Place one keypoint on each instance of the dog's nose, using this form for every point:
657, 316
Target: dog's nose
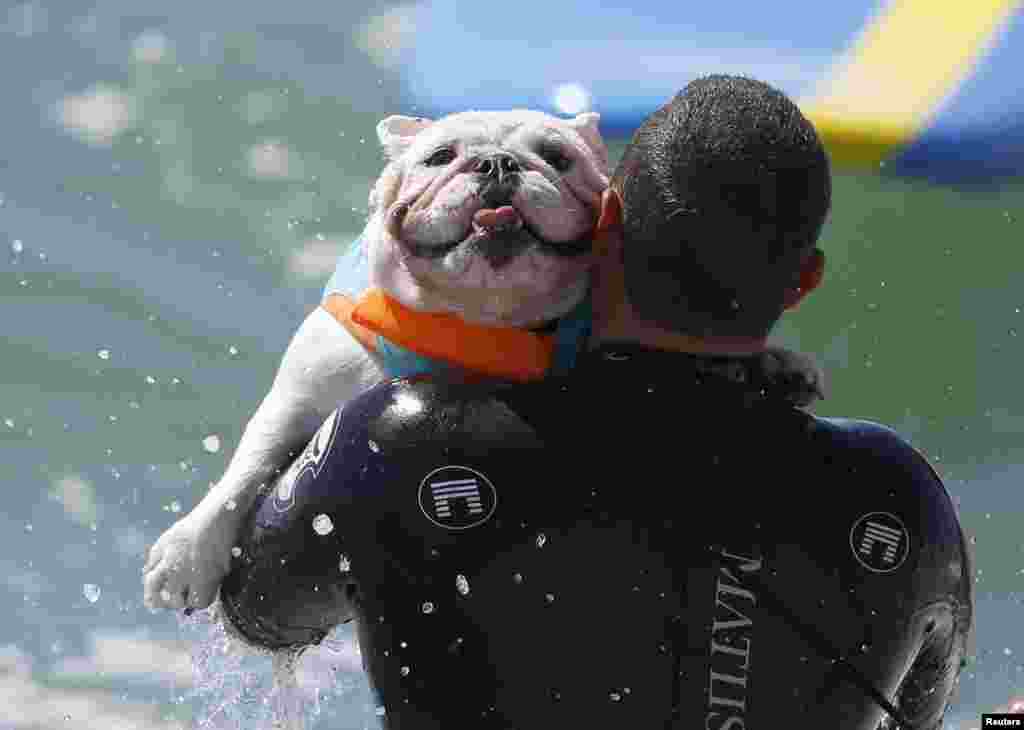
497, 166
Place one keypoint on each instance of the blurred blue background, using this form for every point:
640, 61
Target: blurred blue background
177, 182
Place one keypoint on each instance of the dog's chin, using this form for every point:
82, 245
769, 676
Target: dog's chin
502, 244
509, 279
500, 247
521, 309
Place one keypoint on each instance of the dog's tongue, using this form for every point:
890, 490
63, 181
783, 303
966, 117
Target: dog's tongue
506, 215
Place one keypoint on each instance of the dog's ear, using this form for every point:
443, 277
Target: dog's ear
397, 132
586, 125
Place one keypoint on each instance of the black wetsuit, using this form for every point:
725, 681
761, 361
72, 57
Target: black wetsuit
660, 541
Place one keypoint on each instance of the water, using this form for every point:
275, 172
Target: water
156, 255
237, 686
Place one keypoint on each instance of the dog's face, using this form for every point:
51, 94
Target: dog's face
487, 214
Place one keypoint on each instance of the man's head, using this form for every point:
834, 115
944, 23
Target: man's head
717, 205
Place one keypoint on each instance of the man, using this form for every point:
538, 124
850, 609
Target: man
661, 540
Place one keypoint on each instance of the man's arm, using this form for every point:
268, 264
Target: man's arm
344, 513
928, 690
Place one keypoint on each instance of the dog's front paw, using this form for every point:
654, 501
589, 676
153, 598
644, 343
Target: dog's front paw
187, 563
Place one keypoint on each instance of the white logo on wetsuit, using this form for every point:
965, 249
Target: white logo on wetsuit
880, 542
732, 638
312, 459
457, 497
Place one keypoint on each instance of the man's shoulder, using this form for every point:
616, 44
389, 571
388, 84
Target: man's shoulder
894, 474
879, 451
432, 391
442, 408
874, 442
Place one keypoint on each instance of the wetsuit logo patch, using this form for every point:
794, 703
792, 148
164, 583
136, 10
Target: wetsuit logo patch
310, 461
457, 497
880, 542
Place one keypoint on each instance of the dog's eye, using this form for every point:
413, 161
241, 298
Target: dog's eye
556, 158
440, 157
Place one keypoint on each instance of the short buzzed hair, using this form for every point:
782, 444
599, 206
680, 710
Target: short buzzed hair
725, 189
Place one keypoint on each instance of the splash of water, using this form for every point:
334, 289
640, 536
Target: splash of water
286, 699
229, 688
239, 687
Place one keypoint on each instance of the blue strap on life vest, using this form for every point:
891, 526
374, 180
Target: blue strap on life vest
399, 362
351, 275
571, 336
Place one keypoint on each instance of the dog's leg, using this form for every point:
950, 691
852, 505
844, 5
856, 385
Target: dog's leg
322, 367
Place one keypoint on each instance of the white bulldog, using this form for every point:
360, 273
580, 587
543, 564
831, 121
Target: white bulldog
481, 216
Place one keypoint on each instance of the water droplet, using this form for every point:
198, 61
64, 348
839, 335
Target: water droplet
380, 711
212, 443
175, 506
17, 246
232, 350
428, 607
1007, 651
9, 422
151, 380
103, 354
549, 597
405, 671
518, 577
541, 540
344, 564
91, 591
373, 446
322, 525
28, 527
615, 696
404, 645
231, 505
462, 585
236, 551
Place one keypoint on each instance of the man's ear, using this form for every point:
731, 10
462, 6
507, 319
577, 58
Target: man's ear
610, 215
397, 132
608, 230
811, 273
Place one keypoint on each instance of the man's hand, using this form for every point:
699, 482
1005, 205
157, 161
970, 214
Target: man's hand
186, 565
